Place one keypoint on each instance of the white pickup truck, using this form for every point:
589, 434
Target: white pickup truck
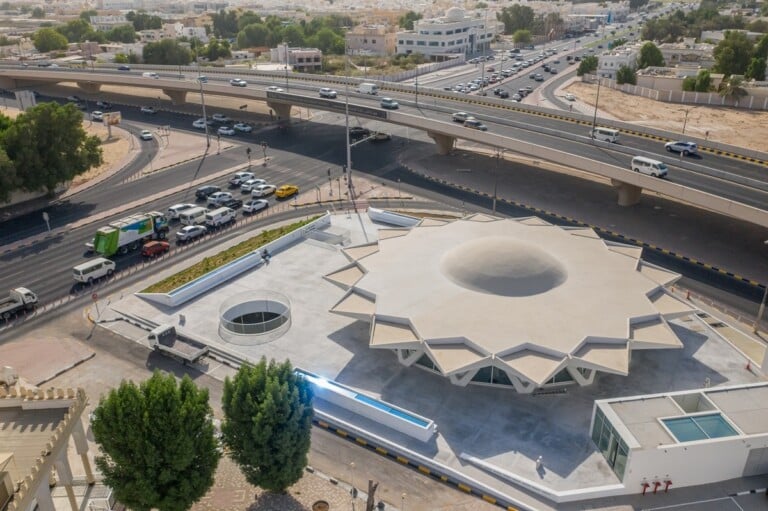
17, 300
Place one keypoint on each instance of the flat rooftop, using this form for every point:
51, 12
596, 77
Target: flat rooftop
498, 426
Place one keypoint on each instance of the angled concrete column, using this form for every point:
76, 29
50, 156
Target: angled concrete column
410, 359
444, 142
282, 111
89, 87
81, 447
178, 97
44, 498
582, 379
64, 473
629, 195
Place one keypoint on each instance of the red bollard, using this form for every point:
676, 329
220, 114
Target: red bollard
656, 485
667, 484
645, 487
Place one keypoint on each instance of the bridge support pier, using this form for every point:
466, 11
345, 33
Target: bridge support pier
444, 142
89, 87
178, 97
629, 195
282, 111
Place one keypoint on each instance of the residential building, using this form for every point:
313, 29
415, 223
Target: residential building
456, 32
301, 59
107, 23
371, 40
116, 5
716, 36
200, 7
688, 53
176, 30
610, 62
671, 78
152, 35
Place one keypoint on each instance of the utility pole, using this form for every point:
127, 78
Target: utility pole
346, 120
594, 117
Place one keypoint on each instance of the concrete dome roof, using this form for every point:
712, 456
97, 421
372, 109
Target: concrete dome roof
455, 13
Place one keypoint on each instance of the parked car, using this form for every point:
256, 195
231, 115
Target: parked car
238, 82
325, 92
148, 110
570, 97
155, 248
243, 128
190, 232
389, 104
685, 148
286, 191
218, 198
146, 135
503, 94
220, 118
226, 130
204, 191
254, 205
263, 190
250, 184
232, 203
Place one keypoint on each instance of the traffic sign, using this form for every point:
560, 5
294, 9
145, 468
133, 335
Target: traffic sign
95, 296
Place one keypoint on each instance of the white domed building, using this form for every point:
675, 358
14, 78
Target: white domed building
518, 303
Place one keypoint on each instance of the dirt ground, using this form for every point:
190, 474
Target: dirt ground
742, 128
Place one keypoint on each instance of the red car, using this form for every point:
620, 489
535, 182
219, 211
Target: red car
155, 248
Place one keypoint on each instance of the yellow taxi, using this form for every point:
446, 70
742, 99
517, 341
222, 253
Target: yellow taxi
286, 191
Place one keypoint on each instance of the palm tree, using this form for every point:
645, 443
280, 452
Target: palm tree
733, 87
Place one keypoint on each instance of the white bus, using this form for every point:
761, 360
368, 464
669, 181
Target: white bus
605, 134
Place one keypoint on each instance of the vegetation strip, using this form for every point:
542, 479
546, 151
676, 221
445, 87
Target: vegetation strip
209, 264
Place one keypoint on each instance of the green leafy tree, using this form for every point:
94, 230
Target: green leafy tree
588, 65
86, 15
407, 20
761, 48
49, 146
733, 53
516, 17
328, 41
217, 49
121, 58
253, 35
522, 36
733, 87
636, 4
166, 52
650, 55
689, 83
122, 34
247, 18
158, 449
48, 39
9, 181
756, 69
626, 74
268, 417
74, 30
225, 23
294, 35
703, 81
38, 13
4, 41
95, 36
143, 21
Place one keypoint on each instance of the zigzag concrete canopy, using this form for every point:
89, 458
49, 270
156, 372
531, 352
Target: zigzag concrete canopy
512, 302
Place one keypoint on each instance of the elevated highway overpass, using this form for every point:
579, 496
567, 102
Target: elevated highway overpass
571, 150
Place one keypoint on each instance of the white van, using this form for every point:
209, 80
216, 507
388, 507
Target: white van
150, 75
605, 134
193, 216
648, 166
93, 270
368, 88
177, 209
219, 217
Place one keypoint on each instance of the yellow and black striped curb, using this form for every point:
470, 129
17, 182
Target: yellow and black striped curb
431, 472
596, 228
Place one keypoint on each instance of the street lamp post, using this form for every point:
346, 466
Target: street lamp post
399, 195
685, 121
760, 311
594, 117
346, 120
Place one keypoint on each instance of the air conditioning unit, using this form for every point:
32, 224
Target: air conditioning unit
8, 376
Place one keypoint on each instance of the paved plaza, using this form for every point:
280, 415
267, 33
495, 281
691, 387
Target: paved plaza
506, 430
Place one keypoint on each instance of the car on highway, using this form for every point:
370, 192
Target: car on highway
553, 71
200, 124
226, 130
123, 68
218, 198
255, 205
380, 136
238, 82
286, 191
203, 192
460, 116
232, 203
240, 178
243, 128
475, 124
97, 115
263, 190
325, 92
148, 110
146, 135
202, 79
570, 97
190, 232
539, 77
357, 132
389, 104
175, 210
685, 148
74, 99
220, 118
249, 185
274, 88
106, 105
155, 248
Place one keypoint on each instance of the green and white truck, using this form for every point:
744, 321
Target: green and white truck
130, 233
